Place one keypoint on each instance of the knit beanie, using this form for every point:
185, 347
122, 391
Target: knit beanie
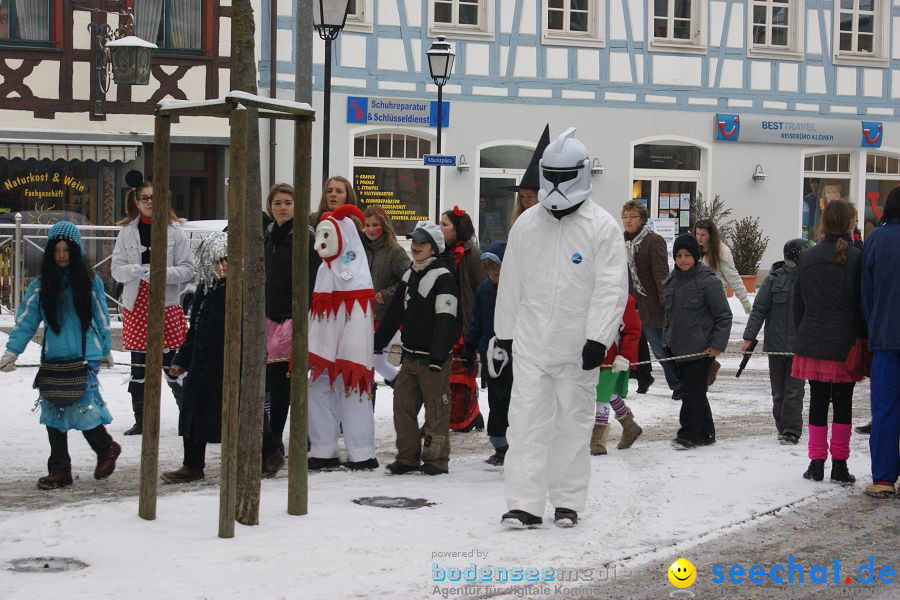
67, 231
688, 242
494, 252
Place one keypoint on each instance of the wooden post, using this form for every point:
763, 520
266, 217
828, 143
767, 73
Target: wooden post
231, 386
153, 369
298, 490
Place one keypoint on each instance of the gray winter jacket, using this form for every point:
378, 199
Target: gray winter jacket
773, 304
697, 312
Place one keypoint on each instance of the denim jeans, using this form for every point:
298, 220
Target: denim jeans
654, 337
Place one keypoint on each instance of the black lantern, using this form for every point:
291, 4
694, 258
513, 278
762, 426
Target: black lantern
440, 64
329, 17
130, 57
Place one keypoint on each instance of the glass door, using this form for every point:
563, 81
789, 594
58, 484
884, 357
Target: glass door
496, 200
675, 200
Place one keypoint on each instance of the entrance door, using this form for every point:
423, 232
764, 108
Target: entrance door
667, 198
496, 200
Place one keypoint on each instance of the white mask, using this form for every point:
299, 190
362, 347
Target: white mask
565, 176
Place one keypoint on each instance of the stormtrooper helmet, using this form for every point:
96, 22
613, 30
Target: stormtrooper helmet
565, 176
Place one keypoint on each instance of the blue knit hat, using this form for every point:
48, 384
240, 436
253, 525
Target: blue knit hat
67, 231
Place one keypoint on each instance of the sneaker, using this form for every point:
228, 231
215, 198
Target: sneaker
272, 465
399, 468
864, 429
789, 439
815, 471
683, 444
432, 470
136, 429
362, 465
876, 489
677, 395
106, 461
713, 371
323, 464
565, 517
54, 481
183, 475
519, 519
644, 385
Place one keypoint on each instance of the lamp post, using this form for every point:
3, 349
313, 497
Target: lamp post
329, 17
440, 64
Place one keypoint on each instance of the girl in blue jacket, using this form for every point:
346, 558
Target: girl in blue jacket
69, 299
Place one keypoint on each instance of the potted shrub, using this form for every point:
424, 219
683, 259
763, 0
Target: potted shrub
748, 245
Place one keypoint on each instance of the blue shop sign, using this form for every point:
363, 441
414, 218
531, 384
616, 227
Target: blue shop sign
396, 111
790, 130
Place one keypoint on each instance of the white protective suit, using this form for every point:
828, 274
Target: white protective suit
563, 282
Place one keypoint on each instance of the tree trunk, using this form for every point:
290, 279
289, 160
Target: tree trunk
254, 340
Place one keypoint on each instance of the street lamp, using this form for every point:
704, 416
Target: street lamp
329, 17
440, 64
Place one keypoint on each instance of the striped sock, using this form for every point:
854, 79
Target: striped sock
618, 405
602, 416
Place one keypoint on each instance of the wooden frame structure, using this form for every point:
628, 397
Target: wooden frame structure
236, 107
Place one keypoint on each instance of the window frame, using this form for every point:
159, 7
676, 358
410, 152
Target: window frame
53, 19
361, 20
794, 48
206, 17
880, 55
697, 43
594, 37
455, 31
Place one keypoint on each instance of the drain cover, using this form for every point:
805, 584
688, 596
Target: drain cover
46, 564
393, 502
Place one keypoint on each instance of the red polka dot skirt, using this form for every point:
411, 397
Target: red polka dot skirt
134, 324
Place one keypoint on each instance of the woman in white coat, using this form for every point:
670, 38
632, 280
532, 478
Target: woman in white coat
717, 256
131, 267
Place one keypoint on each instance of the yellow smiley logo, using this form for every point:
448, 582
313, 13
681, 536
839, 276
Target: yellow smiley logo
682, 573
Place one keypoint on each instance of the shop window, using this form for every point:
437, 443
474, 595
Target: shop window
678, 24
882, 176
25, 21
500, 169
775, 28
827, 163
358, 15
660, 156
171, 24
861, 31
388, 171
826, 179
461, 18
573, 22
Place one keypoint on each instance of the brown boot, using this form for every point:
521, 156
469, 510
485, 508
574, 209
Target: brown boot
183, 475
598, 439
106, 461
630, 430
713, 371
55, 481
272, 465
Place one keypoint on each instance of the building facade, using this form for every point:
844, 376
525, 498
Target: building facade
673, 98
66, 145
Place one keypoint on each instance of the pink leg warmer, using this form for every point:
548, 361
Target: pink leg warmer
840, 441
818, 442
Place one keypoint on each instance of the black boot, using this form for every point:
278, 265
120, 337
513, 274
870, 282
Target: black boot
839, 472
816, 470
644, 385
499, 456
138, 427
519, 519
864, 429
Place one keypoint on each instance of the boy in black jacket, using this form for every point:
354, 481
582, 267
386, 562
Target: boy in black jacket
426, 305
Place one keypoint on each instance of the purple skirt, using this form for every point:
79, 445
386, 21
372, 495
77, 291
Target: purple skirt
820, 369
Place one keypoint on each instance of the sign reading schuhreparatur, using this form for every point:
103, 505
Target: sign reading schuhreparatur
396, 111
795, 130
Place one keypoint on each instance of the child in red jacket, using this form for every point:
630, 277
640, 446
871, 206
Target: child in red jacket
612, 388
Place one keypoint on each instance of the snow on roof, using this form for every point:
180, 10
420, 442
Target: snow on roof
239, 95
264, 103
130, 41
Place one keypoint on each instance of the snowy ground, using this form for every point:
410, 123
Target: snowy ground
646, 502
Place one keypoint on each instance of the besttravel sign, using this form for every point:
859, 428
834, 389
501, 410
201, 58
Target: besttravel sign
396, 111
807, 132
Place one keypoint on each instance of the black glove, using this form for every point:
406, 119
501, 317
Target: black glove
592, 355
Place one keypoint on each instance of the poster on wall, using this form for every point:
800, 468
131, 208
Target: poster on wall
401, 191
668, 230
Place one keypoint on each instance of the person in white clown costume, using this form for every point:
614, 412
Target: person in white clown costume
341, 346
559, 305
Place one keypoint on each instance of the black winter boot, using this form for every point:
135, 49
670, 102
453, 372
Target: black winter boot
816, 470
499, 457
519, 519
839, 472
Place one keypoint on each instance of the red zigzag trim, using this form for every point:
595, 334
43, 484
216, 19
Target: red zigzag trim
325, 304
355, 375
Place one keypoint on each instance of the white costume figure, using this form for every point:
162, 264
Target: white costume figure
560, 301
340, 345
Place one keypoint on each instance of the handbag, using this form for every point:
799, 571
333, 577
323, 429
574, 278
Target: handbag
62, 382
859, 360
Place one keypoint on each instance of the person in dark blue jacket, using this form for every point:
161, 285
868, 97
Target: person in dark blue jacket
69, 299
880, 299
496, 372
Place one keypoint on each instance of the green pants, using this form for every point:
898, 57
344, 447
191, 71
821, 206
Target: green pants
611, 383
